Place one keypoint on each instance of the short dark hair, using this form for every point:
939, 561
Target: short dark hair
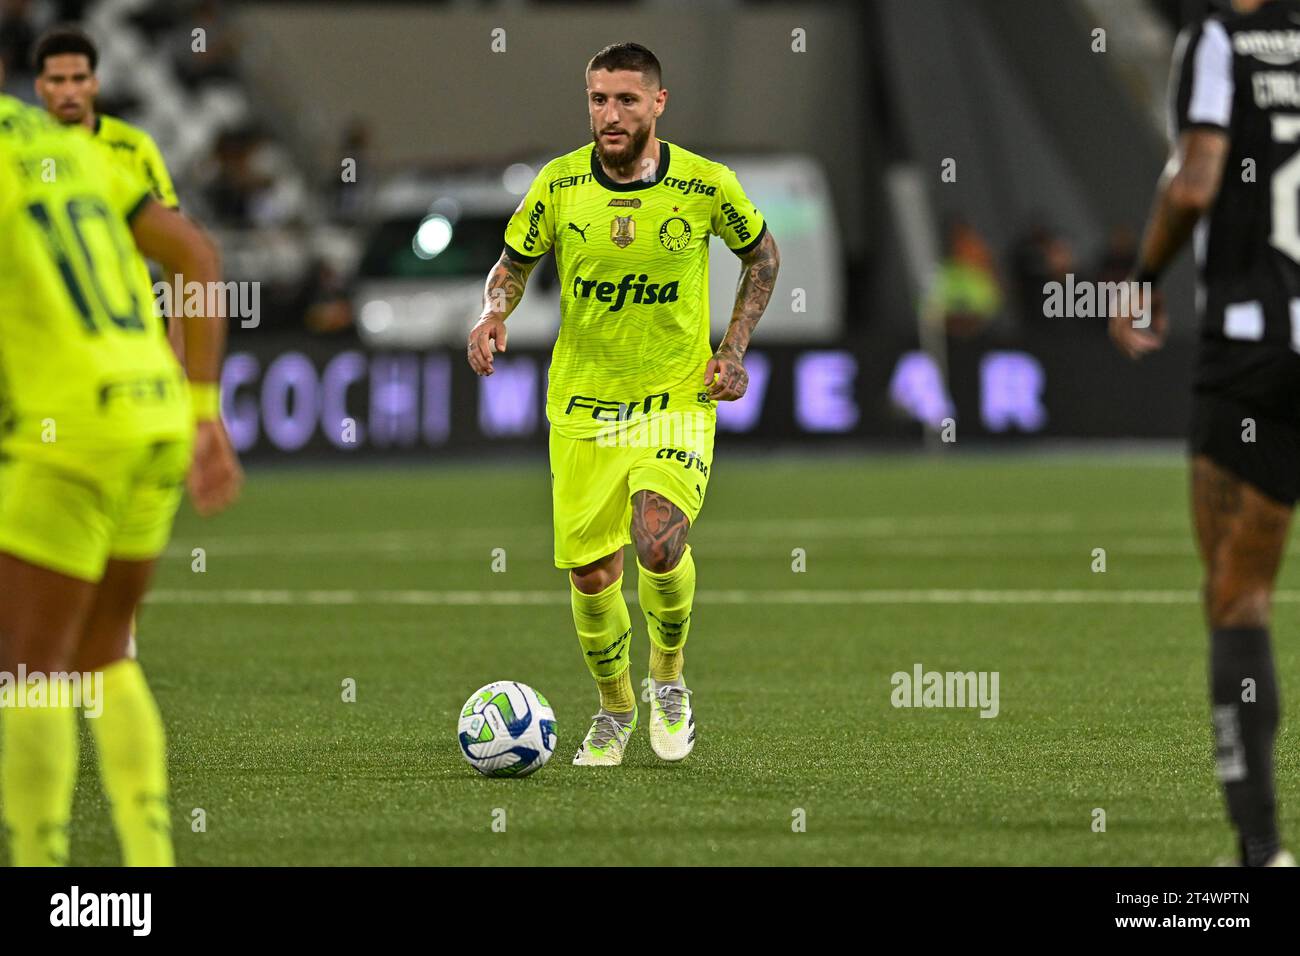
62, 40
628, 56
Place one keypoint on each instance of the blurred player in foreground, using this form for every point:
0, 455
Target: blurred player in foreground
101, 428
1235, 100
65, 60
634, 383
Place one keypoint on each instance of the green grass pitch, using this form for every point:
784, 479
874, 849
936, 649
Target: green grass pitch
959, 564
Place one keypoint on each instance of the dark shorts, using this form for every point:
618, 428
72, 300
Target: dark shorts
1223, 429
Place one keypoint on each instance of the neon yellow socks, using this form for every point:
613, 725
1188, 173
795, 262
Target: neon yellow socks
605, 633
666, 600
133, 766
605, 629
38, 772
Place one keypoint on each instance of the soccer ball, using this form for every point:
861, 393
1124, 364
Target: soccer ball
507, 729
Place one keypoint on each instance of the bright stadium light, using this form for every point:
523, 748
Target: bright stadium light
433, 236
517, 178
377, 315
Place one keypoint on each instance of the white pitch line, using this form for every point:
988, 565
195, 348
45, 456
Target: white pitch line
884, 532
560, 596
995, 548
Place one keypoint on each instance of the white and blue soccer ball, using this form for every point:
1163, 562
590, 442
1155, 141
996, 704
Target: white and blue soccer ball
507, 729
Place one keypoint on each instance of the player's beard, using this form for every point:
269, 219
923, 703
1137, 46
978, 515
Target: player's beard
622, 162
70, 118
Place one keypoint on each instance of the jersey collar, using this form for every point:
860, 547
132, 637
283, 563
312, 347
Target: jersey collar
598, 172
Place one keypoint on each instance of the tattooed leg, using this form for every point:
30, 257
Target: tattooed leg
666, 590
659, 530
1242, 534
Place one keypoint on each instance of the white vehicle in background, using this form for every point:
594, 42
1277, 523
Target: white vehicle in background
434, 238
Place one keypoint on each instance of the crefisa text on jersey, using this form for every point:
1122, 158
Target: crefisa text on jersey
644, 292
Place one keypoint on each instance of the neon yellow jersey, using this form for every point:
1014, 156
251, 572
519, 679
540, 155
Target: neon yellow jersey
135, 155
633, 262
133, 150
84, 361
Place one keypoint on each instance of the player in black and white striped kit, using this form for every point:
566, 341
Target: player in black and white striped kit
1233, 185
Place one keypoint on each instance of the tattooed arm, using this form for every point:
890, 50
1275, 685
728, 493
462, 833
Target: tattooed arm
758, 269
1187, 190
502, 292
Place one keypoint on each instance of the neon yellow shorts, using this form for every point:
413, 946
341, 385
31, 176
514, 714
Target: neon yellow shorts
592, 485
71, 515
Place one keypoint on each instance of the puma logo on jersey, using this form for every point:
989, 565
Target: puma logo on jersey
582, 232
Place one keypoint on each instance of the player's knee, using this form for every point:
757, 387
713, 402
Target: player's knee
659, 556
1235, 602
590, 583
598, 575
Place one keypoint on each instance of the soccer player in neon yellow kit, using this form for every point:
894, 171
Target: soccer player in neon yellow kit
65, 60
100, 430
633, 380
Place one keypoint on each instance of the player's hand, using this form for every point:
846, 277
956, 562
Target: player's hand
488, 335
1137, 342
725, 376
215, 476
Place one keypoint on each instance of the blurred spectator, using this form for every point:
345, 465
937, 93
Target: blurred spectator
1041, 255
17, 38
965, 296
218, 60
159, 18
1119, 256
349, 198
327, 306
233, 181
252, 182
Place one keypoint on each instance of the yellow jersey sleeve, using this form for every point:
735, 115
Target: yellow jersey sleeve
154, 171
735, 219
531, 229
126, 194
